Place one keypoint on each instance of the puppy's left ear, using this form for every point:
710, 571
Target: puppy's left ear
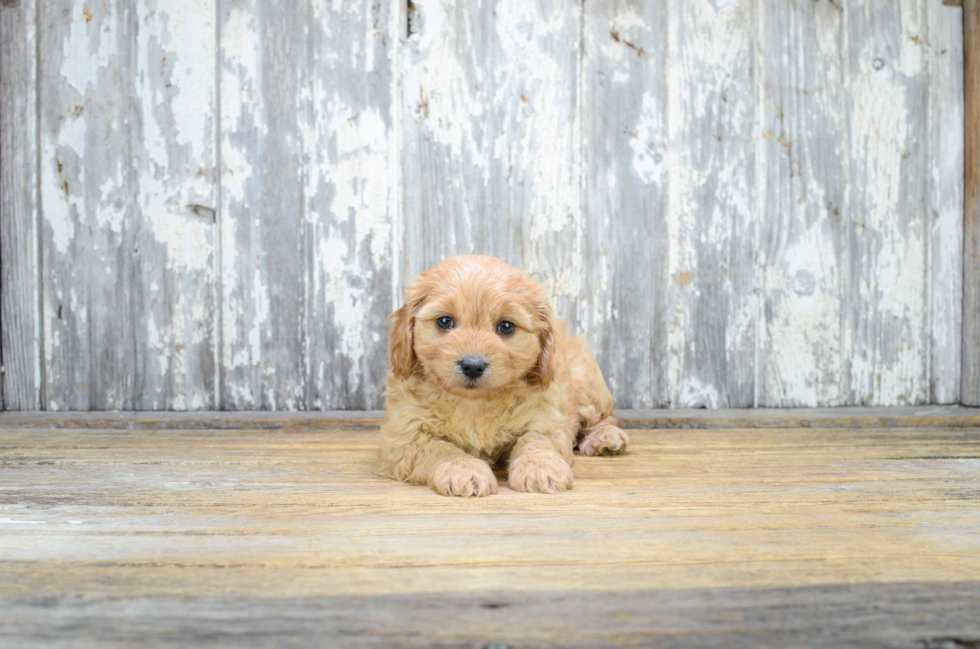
401, 330
544, 370
401, 341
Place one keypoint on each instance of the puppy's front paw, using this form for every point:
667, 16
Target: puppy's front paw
604, 440
539, 471
464, 476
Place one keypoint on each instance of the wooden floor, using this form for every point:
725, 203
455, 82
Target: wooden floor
823, 529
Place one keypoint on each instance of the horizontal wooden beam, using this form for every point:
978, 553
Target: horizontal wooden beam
903, 417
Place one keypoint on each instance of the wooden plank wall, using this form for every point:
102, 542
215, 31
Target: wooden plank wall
213, 204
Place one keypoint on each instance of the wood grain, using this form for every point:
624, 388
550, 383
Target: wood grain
740, 203
264, 69
251, 537
885, 325
970, 387
88, 231
308, 194
802, 242
914, 615
174, 163
128, 194
905, 417
711, 230
624, 103
944, 52
19, 323
351, 156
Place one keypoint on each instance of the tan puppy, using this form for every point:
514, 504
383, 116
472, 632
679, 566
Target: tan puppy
482, 372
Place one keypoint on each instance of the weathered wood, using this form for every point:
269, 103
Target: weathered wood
801, 249
128, 197
919, 615
88, 230
19, 349
624, 105
904, 417
174, 286
740, 203
970, 387
944, 52
886, 330
351, 154
247, 537
492, 149
308, 203
264, 69
711, 203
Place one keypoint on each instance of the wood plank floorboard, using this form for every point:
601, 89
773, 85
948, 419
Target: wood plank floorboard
858, 529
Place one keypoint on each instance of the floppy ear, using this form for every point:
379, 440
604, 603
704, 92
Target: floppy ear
544, 370
401, 341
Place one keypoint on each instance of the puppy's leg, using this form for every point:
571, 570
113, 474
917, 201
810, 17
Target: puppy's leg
439, 464
539, 463
603, 438
599, 434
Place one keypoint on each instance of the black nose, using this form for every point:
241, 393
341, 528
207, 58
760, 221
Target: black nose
473, 367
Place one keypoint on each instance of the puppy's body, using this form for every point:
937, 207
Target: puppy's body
540, 392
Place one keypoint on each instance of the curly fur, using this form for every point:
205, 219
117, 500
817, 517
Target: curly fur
541, 394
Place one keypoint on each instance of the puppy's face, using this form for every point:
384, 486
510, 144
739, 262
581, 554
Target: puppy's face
474, 326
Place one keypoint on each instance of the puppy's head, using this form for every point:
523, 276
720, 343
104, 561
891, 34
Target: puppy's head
474, 326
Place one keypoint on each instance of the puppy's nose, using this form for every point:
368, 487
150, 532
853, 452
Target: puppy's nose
473, 367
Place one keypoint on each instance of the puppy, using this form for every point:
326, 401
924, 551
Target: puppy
481, 372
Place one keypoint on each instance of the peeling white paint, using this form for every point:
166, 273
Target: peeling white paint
711, 200
188, 240
495, 107
88, 40
648, 155
887, 367
58, 206
437, 87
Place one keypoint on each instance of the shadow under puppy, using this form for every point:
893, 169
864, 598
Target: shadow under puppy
482, 373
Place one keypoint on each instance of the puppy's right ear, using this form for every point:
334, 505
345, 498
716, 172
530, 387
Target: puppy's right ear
401, 341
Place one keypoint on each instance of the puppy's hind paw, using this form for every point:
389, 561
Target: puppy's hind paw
540, 472
604, 440
464, 476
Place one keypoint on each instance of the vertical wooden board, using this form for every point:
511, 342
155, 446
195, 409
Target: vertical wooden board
350, 146
492, 157
173, 161
446, 95
712, 203
624, 104
263, 62
944, 52
87, 202
970, 379
19, 298
801, 251
887, 331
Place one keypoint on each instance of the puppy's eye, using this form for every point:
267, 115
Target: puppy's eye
445, 322
505, 328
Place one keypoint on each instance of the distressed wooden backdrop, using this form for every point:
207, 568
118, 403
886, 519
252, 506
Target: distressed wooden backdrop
216, 203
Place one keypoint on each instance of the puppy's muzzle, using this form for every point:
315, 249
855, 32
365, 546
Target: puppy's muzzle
473, 367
